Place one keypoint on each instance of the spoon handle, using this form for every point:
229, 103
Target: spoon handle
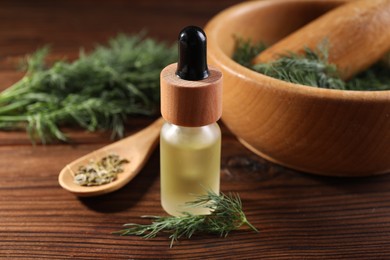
143, 141
137, 148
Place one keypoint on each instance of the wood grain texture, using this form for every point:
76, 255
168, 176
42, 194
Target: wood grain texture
357, 33
300, 216
324, 131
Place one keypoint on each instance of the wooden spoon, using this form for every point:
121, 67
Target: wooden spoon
136, 148
358, 34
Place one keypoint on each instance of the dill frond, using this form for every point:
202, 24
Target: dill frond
246, 50
98, 91
312, 68
226, 215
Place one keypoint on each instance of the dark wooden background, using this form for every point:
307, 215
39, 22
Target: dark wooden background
300, 216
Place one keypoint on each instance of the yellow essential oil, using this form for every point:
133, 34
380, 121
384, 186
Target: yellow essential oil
190, 164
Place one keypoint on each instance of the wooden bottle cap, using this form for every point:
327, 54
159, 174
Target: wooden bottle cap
191, 103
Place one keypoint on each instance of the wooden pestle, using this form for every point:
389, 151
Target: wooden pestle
358, 34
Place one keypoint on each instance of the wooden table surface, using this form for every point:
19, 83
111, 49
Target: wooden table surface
300, 216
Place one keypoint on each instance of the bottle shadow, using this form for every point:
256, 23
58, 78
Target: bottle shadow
259, 172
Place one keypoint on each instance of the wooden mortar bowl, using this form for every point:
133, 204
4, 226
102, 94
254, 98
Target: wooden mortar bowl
323, 131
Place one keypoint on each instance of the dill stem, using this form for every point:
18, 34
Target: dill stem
13, 106
250, 225
12, 92
13, 118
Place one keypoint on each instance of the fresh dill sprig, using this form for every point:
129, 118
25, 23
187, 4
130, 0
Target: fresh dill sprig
375, 78
226, 215
97, 91
312, 68
246, 50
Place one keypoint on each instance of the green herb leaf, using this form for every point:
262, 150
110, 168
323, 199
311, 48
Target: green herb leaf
312, 68
226, 215
246, 50
97, 91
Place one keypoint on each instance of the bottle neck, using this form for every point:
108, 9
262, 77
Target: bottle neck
190, 127
193, 136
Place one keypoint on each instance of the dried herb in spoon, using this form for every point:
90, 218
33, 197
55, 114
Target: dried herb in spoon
226, 215
104, 171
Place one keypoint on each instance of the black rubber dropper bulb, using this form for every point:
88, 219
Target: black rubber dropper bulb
192, 64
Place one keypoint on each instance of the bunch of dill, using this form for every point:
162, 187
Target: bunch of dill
312, 68
97, 91
226, 215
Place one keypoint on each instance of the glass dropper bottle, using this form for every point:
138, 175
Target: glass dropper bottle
190, 140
